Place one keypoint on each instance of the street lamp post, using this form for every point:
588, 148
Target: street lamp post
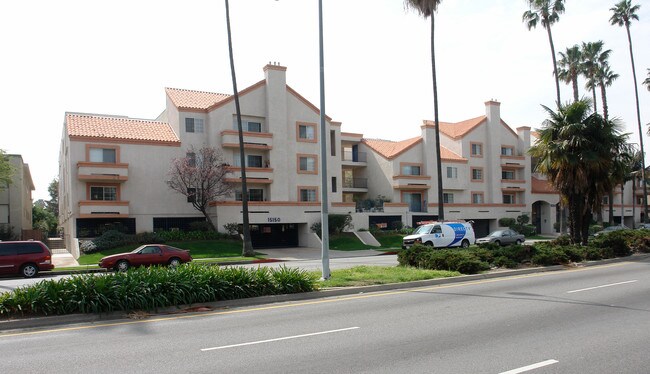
323, 153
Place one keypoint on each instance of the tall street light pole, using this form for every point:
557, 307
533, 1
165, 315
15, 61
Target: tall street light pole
323, 153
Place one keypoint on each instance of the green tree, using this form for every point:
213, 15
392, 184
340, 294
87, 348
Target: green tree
427, 9
53, 203
546, 12
604, 78
623, 13
593, 57
6, 170
44, 220
575, 152
569, 68
247, 248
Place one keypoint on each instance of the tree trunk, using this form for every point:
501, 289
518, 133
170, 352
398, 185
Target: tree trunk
610, 217
638, 116
441, 210
593, 93
247, 250
557, 80
603, 97
574, 82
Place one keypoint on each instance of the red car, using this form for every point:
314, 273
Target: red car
26, 258
145, 255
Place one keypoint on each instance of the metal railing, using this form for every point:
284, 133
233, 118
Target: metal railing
354, 156
355, 183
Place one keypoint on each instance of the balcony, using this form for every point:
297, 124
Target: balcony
354, 159
102, 172
252, 140
103, 209
355, 185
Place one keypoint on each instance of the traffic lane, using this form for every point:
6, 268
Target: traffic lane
414, 330
9, 283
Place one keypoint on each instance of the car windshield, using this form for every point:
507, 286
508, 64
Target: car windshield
138, 249
422, 230
497, 233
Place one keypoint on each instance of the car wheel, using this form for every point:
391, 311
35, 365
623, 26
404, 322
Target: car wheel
122, 265
429, 244
518, 242
29, 270
174, 262
497, 242
464, 243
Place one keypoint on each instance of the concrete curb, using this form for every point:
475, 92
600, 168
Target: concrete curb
12, 325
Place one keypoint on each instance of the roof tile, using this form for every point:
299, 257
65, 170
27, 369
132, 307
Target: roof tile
194, 100
123, 128
390, 149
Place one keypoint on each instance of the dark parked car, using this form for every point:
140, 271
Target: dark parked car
26, 258
145, 255
502, 237
609, 229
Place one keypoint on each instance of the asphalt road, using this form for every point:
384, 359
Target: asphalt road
589, 320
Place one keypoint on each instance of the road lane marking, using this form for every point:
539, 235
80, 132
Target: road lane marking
530, 367
279, 339
603, 286
324, 300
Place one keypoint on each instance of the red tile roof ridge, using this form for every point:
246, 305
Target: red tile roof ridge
84, 125
196, 91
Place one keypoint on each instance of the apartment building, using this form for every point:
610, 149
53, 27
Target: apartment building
113, 168
16, 199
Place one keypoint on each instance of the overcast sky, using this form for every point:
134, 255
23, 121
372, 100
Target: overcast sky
116, 57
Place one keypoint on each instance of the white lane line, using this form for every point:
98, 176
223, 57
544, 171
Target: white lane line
605, 285
278, 339
530, 367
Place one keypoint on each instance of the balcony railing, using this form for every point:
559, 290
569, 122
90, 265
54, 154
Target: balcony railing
355, 183
354, 156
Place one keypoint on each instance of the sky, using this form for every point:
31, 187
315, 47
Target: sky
116, 57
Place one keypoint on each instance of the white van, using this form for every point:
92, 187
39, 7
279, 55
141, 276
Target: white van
441, 235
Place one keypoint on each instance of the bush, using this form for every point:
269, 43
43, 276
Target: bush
448, 259
613, 244
593, 254
6, 233
507, 222
517, 253
549, 255
232, 228
561, 240
148, 238
336, 223
410, 256
111, 239
87, 246
151, 288
201, 226
505, 262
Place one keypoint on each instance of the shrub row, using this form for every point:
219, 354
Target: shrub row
556, 252
151, 288
113, 238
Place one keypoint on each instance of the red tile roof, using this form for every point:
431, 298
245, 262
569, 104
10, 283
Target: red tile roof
194, 100
459, 129
119, 128
390, 149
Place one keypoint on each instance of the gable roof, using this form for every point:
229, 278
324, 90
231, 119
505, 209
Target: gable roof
390, 149
459, 129
80, 125
194, 100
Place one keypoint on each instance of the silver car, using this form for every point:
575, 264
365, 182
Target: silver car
503, 237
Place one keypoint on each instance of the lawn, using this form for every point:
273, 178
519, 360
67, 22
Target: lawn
349, 242
199, 249
369, 275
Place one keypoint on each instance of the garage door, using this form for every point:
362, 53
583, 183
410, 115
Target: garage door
274, 235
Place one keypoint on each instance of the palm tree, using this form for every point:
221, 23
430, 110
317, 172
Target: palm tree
547, 12
247, 250
569, 67
575, 152
604, 78
593, 57
427, 8
623, 15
